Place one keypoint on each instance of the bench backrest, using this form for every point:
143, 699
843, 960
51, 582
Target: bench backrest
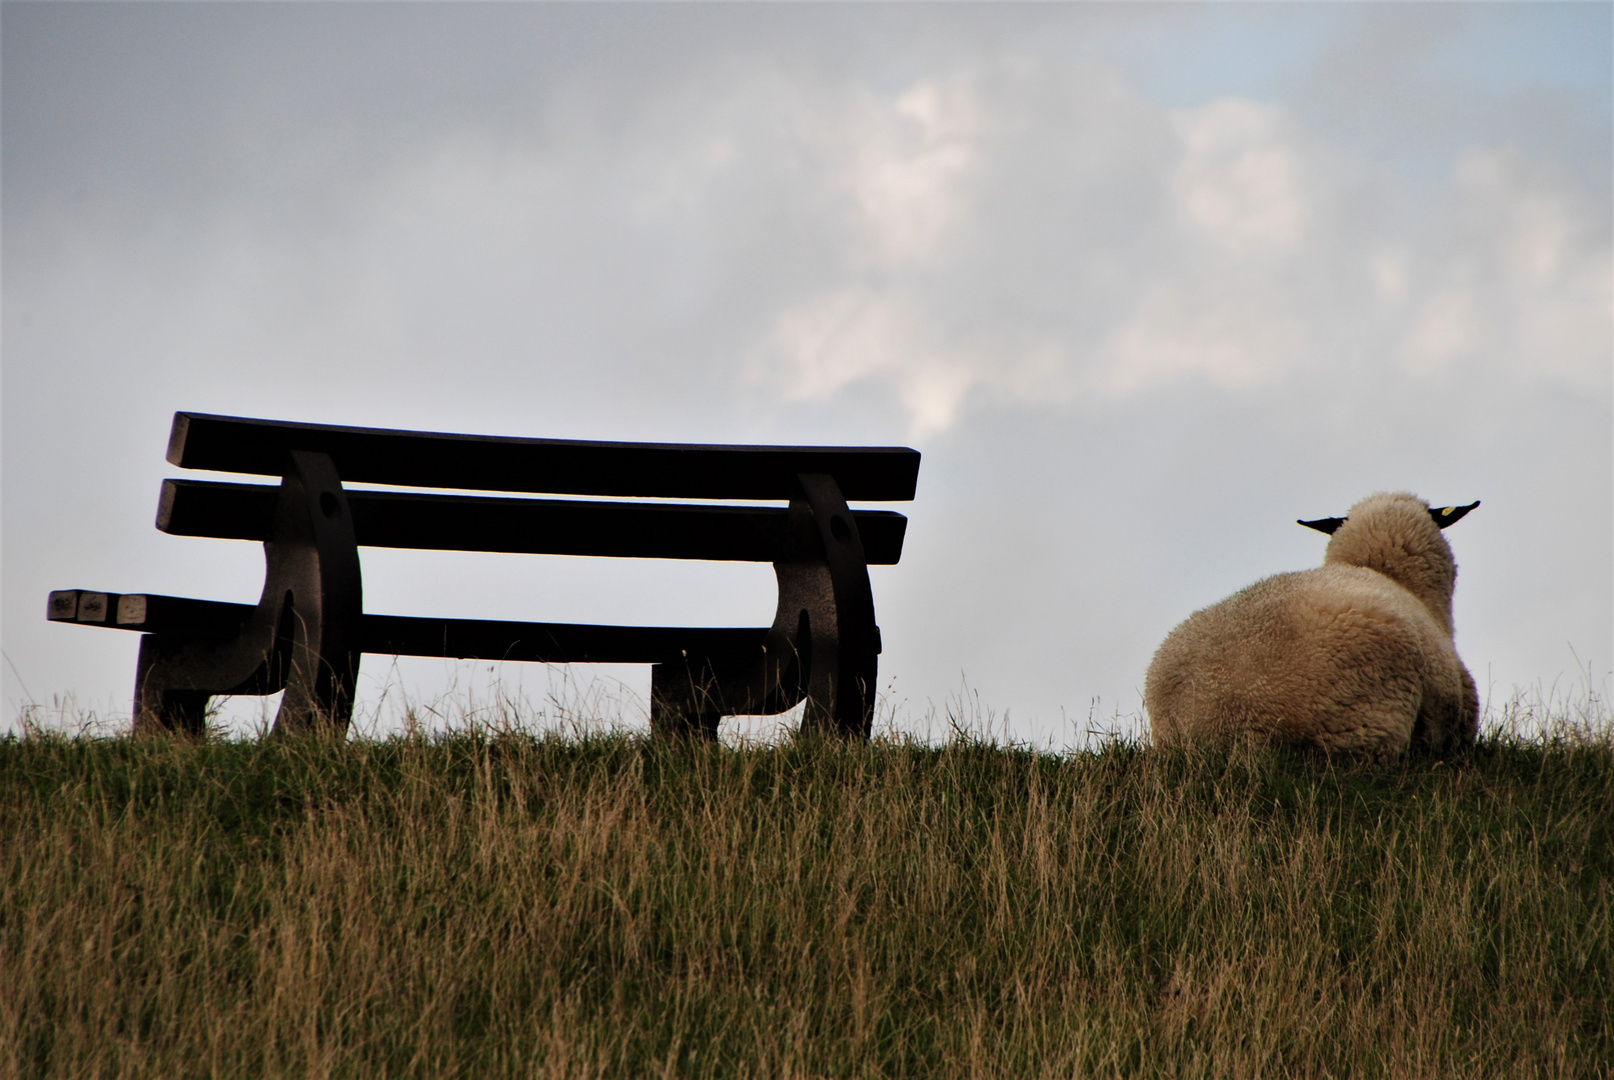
440, 521
549, 466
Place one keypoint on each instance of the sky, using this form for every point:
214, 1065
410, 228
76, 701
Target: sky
1143, 283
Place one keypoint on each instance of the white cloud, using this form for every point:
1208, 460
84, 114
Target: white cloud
854, 334
1220, 335
1553, 274
1445, 332
1391, 274
909, 161
842, 337
1524, 281
1249, 257
1240, 178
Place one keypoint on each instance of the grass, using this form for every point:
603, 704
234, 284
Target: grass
486, 904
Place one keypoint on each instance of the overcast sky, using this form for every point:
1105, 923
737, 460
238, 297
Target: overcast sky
1144, 283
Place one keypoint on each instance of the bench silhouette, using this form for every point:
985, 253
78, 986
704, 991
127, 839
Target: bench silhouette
306, 634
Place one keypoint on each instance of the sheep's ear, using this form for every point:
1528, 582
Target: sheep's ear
1327, 525
1450, 514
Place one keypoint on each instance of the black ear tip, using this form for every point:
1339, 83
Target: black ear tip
1448, 515
1323, 525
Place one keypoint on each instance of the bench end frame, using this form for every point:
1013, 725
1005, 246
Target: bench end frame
303, 638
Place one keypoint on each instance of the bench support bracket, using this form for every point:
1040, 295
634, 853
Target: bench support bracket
303, 637
823, 647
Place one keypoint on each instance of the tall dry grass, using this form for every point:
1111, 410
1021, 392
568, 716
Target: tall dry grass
509, 905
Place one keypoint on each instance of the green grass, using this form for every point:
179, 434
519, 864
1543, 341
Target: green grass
493, 905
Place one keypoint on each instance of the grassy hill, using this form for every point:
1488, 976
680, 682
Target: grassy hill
508, 905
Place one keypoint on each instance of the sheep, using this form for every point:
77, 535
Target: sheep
1353, 657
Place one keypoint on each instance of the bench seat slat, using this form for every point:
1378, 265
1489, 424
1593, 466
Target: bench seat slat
405, 635
553, 643
429, 520
552, 466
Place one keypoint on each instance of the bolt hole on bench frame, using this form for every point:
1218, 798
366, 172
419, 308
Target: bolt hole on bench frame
309, 629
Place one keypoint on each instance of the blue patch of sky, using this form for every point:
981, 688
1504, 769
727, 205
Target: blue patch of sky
1509, 48
1267, 52
1548, 65
1226, 50
1483, 58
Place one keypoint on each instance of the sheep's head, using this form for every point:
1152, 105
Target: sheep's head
1399, 536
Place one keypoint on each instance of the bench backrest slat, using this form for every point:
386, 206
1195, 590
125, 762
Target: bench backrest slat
434, 520
553, 466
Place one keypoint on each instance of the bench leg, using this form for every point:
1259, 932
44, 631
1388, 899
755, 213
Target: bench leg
160, 707
843, 649
324, 593
824, 645
303, 636
689, 698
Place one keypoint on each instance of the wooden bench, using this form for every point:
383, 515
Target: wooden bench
306, 634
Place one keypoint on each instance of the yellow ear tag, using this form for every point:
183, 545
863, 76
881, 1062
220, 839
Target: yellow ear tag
1447, 512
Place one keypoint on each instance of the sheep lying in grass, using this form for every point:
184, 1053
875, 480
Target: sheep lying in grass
1355, 656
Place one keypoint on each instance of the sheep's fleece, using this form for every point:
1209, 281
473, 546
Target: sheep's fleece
1355, 656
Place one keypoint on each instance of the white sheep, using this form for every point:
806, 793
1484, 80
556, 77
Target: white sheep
1355, 656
